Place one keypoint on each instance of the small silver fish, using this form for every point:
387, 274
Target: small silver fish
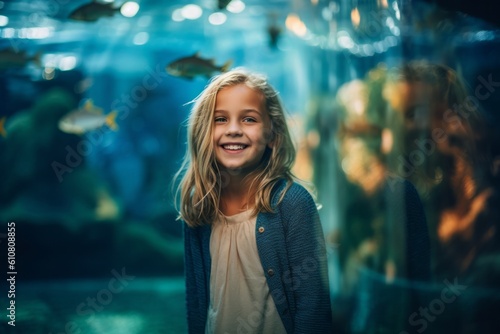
93, 11
192, 66
86, 119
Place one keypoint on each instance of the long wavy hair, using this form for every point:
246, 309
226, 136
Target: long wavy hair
202, 180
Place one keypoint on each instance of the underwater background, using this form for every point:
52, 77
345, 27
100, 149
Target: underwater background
393, 105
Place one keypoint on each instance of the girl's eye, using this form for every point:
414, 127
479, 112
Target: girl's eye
249, 119
219, 119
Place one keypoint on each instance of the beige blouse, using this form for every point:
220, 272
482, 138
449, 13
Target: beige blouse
240, 301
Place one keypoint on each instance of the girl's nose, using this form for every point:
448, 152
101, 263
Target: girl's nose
233, 129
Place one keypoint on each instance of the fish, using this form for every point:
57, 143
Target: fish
3, 132
192, 66
273, 30
83, 85
87, 118
274, 34
10, 58
222, 4
93, 11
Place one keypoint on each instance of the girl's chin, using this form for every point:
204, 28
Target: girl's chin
236, 170
233, 170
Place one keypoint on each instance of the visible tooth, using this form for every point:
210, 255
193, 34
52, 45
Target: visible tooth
234, 147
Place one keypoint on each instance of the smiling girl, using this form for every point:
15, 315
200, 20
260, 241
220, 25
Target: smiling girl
255, 257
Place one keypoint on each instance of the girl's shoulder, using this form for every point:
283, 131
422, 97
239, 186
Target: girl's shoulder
290, 193
296, 209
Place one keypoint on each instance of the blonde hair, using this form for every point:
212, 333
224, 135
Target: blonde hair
202, 180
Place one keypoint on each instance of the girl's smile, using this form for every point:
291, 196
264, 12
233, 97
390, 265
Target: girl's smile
241, 130
233, 148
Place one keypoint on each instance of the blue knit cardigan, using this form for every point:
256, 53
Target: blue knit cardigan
291, 248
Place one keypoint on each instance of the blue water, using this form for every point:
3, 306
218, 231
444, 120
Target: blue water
136, 306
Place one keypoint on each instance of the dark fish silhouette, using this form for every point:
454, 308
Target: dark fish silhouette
10, 58
222, 4
192, 66
273, 30
274, 34
93, 11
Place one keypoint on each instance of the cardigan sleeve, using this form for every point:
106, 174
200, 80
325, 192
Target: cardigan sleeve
308, 274
196, 288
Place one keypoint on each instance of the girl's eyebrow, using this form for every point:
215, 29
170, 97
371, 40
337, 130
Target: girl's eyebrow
252, 110
243, 110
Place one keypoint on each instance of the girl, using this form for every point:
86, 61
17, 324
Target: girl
255, 256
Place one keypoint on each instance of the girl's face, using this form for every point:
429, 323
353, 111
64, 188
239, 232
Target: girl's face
241, 128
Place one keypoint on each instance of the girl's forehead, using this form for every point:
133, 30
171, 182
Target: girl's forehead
243, 85
240, 92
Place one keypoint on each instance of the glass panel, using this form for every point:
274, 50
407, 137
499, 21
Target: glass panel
392, 106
